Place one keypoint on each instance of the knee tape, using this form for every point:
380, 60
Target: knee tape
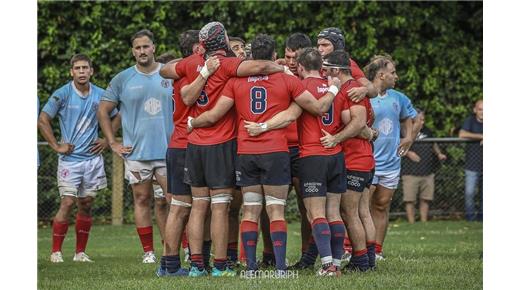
222, 198
68, 190
180, 203
271, 200
252, 198
206, 198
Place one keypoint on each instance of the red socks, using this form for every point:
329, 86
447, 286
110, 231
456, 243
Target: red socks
146, 236
379, 248
83, 225
59, 230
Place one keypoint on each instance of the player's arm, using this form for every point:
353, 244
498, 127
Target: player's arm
407, 140
352, 128
168, 70
191, 92
469, 135
103, 115
319, 107
100, 144
44, 124
209, 118
258, 67
358, 93
278, 121
438, 152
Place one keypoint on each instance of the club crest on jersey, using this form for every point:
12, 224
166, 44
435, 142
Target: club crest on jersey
386, 126
64, 172
165, 83
395, 106
152, 106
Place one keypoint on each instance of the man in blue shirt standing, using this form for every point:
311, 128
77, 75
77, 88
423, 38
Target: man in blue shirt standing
473, 129
144, 98
393, 116
81, 171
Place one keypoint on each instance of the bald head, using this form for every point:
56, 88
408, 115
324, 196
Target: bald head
479, 110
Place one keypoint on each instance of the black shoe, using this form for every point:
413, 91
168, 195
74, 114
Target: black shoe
301, 266
266, 263
350, 267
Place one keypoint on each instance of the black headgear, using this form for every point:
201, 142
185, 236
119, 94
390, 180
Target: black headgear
213, 36
334, 35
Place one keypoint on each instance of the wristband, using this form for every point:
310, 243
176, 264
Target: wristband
204, 72
333, 90
263, 126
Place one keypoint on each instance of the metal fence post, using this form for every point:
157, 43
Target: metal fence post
117, 189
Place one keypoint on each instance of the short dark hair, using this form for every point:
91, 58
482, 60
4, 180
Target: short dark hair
339, 58
165, 57
79, 57
310, 59
186, 41
234, 38
377, 63
297, 40
141, 33
263, 47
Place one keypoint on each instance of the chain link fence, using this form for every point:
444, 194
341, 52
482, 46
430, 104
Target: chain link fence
114, 204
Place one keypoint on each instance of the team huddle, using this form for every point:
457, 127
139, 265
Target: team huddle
247, 129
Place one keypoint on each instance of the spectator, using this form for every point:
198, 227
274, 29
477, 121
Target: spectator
418, 172
473, 129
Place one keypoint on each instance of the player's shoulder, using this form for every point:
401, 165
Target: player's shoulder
64, 90
97, 90
125, 74
397, 94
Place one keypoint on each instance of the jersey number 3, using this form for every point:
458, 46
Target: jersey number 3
258, 100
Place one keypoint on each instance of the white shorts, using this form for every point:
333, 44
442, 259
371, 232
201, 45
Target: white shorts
140, 171
81, 178
388, 179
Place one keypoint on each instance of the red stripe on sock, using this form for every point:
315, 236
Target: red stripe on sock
318, 221
360, 252
248, 226
336, 223
232, 245
371, 243
278, 226
379, 248
59, 230
146, 237
184, 239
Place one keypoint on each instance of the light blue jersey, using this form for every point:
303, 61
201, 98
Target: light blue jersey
146, 112
389, 110
77, 117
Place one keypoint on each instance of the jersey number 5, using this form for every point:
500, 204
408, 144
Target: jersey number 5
258, 100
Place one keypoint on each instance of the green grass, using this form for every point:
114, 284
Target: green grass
436, 255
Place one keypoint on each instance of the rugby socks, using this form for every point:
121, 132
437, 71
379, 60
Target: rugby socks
171, 263
146, 236
278, 231
83, 225
197, 261
359, 260
321, 233
220, 264
347, 246
371, 251
337, 236
232, 252
206, 252
59, 230
249, 235
310, 255
379, 248
185, 240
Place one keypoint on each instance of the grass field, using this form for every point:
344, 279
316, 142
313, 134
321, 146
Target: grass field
436, 255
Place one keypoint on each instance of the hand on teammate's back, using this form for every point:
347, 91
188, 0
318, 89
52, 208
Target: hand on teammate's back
328, 140
212, 64
65, 148
357, 94
253, 129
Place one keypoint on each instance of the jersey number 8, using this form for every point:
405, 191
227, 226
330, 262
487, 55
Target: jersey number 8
258, 100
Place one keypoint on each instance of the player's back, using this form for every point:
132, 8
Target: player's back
258, 99
310, 126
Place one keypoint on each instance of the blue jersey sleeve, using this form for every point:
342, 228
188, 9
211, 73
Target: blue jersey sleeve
54, 104
407, 109
113, 92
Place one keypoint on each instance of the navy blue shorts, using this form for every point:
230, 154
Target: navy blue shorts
263, 169
211, 166
320, 174
359, 180
294, 152
175, 160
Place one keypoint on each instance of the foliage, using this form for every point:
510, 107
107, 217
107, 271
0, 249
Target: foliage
438, 45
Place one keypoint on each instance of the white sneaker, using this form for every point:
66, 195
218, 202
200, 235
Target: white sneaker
56, 257
81, 257
149, 258
346, 257
380, 257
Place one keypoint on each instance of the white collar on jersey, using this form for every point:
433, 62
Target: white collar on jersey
147, 74
79, 92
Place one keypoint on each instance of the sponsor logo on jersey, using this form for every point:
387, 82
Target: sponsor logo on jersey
323, 90
152, 106
385, 126
312, 187
254, 79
